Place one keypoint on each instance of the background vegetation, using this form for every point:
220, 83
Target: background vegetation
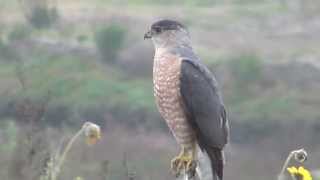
66, 62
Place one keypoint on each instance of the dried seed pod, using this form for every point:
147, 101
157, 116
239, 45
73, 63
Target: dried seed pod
92, 133
300, 155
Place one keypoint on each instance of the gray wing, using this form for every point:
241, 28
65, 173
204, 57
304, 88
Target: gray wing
203, 105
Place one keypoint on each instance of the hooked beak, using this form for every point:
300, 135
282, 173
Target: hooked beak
147, 35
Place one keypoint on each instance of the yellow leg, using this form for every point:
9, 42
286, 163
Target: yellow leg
184, 161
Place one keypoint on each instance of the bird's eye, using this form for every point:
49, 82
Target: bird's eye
158, 29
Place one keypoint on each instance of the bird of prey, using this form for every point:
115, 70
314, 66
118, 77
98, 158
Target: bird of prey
188, 98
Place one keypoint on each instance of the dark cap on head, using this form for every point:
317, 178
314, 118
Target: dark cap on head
163, 25
167, 24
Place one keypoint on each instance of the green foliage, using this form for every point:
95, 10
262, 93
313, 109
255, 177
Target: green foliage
6, 53
82, 38
41, 17
246, 70
77, 85
266, 107
172, 2
204, 3
109, 41
19, 32
9, 131
249, 1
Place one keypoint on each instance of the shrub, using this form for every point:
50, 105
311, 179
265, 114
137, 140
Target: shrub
82, 38
246, 70
6, 53
109, 40
41, 17
19, 32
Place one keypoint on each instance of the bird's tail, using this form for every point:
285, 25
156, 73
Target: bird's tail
216, 159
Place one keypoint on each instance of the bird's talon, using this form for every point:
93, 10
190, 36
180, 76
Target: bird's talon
183, 162
191, 169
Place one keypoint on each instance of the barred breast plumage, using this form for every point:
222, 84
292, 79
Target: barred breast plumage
166, 79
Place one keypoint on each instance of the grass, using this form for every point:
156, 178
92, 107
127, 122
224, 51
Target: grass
9, 131
81, 83
77, 82
260, 9
264, 107
86, 88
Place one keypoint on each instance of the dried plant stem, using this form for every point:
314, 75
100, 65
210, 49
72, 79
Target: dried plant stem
64, 154
299, 155
285, 165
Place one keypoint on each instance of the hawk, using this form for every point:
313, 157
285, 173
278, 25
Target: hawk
188, 98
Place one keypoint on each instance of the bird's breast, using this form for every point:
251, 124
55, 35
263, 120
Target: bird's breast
166, 79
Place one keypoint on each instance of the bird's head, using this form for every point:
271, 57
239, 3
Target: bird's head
168, 33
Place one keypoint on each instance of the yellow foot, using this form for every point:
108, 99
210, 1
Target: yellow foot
183, 162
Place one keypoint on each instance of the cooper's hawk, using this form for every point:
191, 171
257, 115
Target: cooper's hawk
187, 97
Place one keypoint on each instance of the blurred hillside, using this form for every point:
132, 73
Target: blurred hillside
66, 62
